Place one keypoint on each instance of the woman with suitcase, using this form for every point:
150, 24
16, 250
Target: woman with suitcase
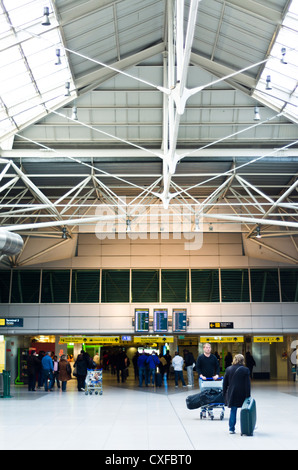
236, 388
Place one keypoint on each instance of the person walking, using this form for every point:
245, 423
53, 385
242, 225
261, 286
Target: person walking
81, 371
64, 372
189, 364
56, 371
47, 371
162, 364
250, 362
142, 366
236, 388
207, 367
33, 365
168, 358
228, 360
153, 361
121, 366
177, 363
40, 372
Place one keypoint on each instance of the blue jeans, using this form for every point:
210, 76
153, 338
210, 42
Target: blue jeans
232, 420
142, 374
64, 386
151, 374
179, 375
48, 375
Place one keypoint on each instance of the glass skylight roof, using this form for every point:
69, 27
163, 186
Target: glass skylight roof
282, 68
31, 81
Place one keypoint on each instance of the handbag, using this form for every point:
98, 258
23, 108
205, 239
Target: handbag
74, 371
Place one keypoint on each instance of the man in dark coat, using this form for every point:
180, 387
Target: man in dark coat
81, 366
33, 365
236, 388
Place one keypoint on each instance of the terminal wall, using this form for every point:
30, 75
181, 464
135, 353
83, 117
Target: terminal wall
218, 250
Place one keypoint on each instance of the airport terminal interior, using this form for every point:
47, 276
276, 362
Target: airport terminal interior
148, 204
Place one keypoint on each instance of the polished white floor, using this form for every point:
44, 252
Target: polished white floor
126, 417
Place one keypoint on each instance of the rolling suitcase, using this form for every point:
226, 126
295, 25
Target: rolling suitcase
248, 417
158, 379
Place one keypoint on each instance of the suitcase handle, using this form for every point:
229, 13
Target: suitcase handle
211, 379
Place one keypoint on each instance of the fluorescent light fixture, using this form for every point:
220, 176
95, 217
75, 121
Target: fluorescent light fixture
268, 83
257, 114
283, 54
67, 88
58, 61
74, 115
46, 19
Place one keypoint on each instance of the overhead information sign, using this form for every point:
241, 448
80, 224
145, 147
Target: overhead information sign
223, 324
11, 322
90, 339
179, 319
153, 339
142, 319
268, 339
221, 339
160, 320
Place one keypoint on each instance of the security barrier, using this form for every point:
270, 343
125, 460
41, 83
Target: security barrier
6, 384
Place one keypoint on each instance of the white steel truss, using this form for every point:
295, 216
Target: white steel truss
94, 195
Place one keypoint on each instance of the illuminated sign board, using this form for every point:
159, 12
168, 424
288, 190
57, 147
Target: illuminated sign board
142, 319
268, 339
179, 319
11, 322
223, 324
160, 320
90, 339
153, 339
221, 339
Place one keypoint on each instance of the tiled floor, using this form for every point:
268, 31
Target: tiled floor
126, 417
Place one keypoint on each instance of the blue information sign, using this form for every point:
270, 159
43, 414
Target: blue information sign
11, 322
179, 319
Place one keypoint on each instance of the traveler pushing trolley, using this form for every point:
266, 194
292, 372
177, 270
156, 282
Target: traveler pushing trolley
208, 368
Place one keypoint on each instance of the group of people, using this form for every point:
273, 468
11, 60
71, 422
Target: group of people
236, 386
146, 366
44, 369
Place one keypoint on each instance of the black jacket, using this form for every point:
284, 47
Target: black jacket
33, 365
189, 359
236, 386
81, 365
207, 366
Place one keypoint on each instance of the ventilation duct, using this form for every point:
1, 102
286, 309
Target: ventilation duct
10, 243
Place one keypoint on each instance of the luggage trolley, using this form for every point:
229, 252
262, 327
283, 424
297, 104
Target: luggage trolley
207, 410
93, 382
